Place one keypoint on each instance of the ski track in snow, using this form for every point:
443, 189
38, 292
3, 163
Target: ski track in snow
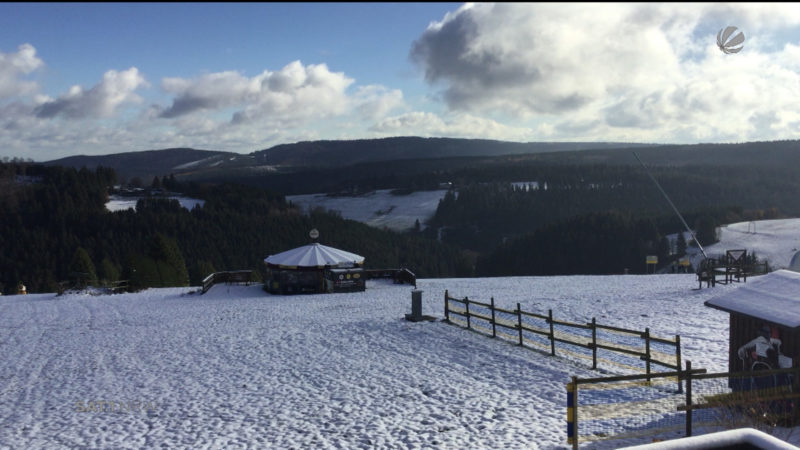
239, 368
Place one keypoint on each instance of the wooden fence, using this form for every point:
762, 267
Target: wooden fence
398, 275
236, 276
763, 399
734, 266
499, 321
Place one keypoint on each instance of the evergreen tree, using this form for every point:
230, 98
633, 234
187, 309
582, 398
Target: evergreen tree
680, 245
200, 270
169, 261
142, 272
108, 271
706, 227
82, 269
662, 251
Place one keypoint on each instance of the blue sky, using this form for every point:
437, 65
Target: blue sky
89, 78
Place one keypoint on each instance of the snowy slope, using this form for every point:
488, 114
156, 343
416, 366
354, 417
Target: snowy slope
379, 208
774, 240
120, 203
239, 368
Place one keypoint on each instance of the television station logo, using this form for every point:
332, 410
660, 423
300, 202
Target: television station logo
728, 44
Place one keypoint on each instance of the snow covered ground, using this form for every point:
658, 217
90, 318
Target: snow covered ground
379, 208
119, 203
238, 368
774, 240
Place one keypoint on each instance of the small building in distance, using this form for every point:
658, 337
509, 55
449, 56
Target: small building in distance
764, 322
314, 268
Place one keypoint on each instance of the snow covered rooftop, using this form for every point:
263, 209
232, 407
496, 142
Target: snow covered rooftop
315, 255
739, 438
774, 297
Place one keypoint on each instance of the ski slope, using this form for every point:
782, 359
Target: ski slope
774, 240
378, 208
239, 368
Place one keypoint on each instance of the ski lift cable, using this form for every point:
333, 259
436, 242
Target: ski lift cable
672, 205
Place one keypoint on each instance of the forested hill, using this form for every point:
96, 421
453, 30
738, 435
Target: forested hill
54, 224
327, 154
406, 162
313, 155
147, 164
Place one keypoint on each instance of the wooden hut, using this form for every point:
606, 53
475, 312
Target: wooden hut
314, 268
764, 322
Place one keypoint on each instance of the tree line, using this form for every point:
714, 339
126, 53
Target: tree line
557, 212
55, 228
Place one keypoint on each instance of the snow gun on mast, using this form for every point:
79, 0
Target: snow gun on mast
673, 206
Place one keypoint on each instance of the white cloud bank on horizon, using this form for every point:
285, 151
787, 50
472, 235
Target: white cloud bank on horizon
427, 124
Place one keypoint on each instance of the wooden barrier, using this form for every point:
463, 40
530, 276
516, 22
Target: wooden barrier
236, 276
765, 398
398, 275
593, 343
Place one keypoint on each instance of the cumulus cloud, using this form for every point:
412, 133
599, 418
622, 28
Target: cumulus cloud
13, 66
523, 59
374, 102
100, 101
294, 93
212, 91
611, 71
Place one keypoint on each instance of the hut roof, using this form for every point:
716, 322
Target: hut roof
774, 297
314, 255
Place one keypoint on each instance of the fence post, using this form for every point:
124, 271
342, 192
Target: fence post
688, 398
795, 388
572, 412
594, 343
494, 327
678, 361
647, 352
466, 304
552, 334
519, 324
446, 310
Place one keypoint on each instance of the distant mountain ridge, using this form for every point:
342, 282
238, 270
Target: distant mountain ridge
318, 154
277, 167
326, 154
149, 163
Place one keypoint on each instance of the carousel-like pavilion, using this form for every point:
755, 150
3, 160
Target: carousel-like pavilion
314, 268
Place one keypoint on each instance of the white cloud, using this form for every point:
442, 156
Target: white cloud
13, 66
100, 101
458, 125
619, 71
209, 92
291, 95
374, 102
